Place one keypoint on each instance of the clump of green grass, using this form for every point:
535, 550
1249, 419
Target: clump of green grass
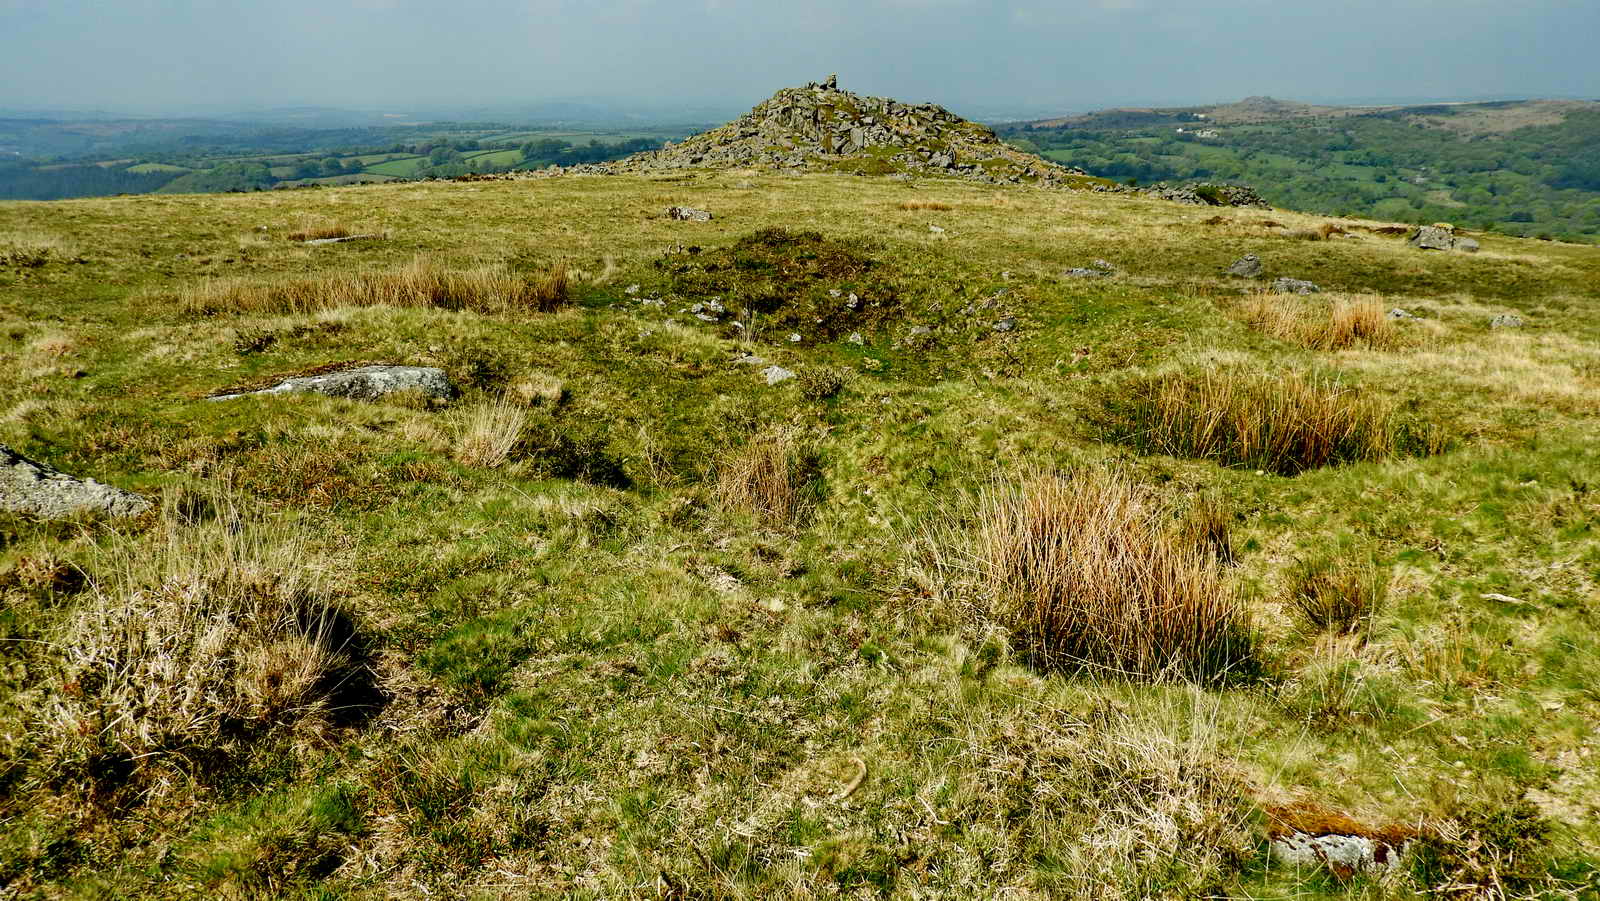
1281, 424
1360, 321
772, 475
197, 636
1337, 593
420, 283
248, 341
819, 383
1087, 574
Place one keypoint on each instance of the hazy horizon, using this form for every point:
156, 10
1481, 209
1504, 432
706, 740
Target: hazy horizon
718, 57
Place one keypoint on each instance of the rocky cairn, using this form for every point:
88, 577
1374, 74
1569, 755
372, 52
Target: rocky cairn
820, 127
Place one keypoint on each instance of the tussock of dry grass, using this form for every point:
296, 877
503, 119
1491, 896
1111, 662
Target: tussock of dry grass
1088, 574
1284, 425
321, 232
30, 250
198, 635
1360, 321
770, 476
420, 283
490, 432
931, 205
1143, 803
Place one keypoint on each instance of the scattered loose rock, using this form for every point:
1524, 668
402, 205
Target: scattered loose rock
687, 214
365, 383
1398, 313
28, 486
776, 374
1294, 286
1467, 245
1097, 269
1006, 325
1507, 320
1247, 266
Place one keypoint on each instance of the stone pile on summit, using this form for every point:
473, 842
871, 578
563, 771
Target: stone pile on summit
821, 127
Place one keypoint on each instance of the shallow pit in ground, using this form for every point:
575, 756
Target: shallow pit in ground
775, 283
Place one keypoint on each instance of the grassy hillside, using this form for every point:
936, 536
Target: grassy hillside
1028, 585
1525, 168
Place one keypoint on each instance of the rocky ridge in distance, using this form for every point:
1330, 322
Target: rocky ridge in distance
820, 127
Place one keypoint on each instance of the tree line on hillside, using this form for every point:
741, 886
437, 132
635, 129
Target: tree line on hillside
198, 172
1541, 180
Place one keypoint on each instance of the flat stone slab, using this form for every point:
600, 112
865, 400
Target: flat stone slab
364, 383
28, 486
688, 214
315, 242
1345, 855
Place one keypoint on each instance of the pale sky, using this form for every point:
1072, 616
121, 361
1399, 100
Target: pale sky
975, 55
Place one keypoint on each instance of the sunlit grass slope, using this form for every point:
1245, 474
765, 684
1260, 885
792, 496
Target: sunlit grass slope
1026, 585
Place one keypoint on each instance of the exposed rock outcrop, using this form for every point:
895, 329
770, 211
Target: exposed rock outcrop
1442, 237
364, 383
1294, 286
821, 127
687, 214
1208, 194
1431, 237
28, 486
1247, 266
1344, 855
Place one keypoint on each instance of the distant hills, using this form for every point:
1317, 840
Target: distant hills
1527, 167
1522, 167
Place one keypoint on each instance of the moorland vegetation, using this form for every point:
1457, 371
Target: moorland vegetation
1027, 583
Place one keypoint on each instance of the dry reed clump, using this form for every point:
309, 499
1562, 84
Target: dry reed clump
204, 633
1207, 525
420, 283
935, 206
320, 232
490, 432
772, 475
1360, 321
1339, 595
1281, 424
1087, 573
